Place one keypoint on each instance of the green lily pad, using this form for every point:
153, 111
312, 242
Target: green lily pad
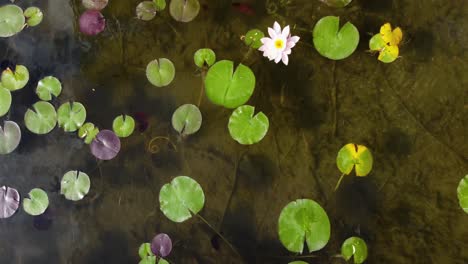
246, 128
184, 10
123, 126
10, 137
228, 89
71, 116
33, 16
303, 220
5, 100
160, 4
47, 87
15, 80
181, 198
204, 57
145, 250
11, 20
354, 247
331, 41
160, 72
353, 155
75, 185
253, 37
187, 119
37, 202
376, 43
148, 260
462, 193
298, 262
88, 131
146, 10
41, 119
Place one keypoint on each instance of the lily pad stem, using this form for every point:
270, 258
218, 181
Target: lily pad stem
339, 181
202, 88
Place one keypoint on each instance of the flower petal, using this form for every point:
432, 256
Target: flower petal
285, 32
278, 58
277, 28
294, 39
272, 33
285, 59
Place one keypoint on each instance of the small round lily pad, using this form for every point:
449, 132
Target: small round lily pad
204, 57
37, 202
5, 100
10, 137
184, 10
88, 131
71, 116
303, 220
75, 185
181, 198
123, 126
92, 22
354, 156
9, 201
187, 119
247, 128
160, 72
15, 79
41, 119
356, 248
161, 245
33, 16
106, 145
160, 4
47, 87
12, 20
95, 4
462, 193
146, 10
253, 38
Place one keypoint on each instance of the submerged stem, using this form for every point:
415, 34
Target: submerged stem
339, 181
202, 88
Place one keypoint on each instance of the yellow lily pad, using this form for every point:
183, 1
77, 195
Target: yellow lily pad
354, 156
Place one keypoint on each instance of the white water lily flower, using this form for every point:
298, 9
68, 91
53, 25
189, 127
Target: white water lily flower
278, 46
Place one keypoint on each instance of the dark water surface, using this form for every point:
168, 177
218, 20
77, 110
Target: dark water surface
412, 114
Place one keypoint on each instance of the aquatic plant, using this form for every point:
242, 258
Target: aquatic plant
303, 220
148, 257
92, 22
106, 145
88, 131
204, 57
12, 20
336, 3
123, 126
71, 116
356, 248
298, 262
386, 43
75, 185
146, 10
10, 137
354, 156
278, 46
228, 89
9, 201
161, 245
160, 4
462, 193
5, 100
15, 79
95, 4
247, 128
47, 87
184, 10
253, 38
160, 72
41, 119
334, 42
37, 202
33, 16
187, 119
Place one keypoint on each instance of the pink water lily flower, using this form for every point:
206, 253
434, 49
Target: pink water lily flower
278, 46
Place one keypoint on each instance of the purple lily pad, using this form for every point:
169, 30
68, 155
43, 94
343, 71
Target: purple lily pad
92, 22
106, 145
161, 245
9, 201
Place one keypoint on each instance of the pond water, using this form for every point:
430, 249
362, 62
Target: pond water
412, 114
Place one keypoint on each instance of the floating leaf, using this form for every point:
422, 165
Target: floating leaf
376, 43
88, 131
161, 245
184, 10
354, 247
336, 3
146, 10
9, 201
160, 72
92, 22
187, 119
75, 185
106, 145
204, 57
160, 4
331, 41
148, 260
71, 116
5, 100
462, 193
95, 4
145, 250
228, 89
33, 16
181, 198
15, 80
389, 54
10, 137
303, 220
246, 128
11, 20
47, 87
41, 119
123, 126
353, 155
253, 37
298, 262
37, 202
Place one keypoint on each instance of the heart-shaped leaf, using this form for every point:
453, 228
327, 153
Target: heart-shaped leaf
204, 57
41, 119
462, 193
11, 20
71, 116
47, 87
15, 80
123, 126
37, 202
187, 119
184, 10
88, 131
228, 89
253, 38
145, 250
5, 100
9, 201
33, 16
353, 155
303, 220
161, 245
160, 72
246, 128
75, 185
106, 145
146, 10
354, 247
181, 198
10, 137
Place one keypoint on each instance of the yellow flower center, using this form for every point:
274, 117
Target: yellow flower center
279, 44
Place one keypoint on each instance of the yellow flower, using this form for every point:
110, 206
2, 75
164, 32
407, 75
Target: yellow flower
392, 38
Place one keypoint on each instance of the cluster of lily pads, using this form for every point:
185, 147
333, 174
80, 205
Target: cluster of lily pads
155, 252
180, 10
13, 19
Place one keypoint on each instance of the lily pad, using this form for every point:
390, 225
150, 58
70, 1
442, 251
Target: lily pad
37, 202
187, 119
5, 100
106, 145
88, 131
246, 128
71, 116
12, 20
47, 87
228, 89
253, 38
33, 16
303, 220
160, 4
95, 4
10, 137
331, 41
123, 126
15, 80
462, 193
184, 10
92, 22
75, 185
146, 10
353, 155
161, 245
160, 72
41, 119
9, 201
204, 57
181, 198
354, 247
145, 250
377, 43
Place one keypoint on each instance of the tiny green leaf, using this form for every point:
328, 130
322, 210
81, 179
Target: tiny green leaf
187, 119
37, 202
146, 10
123, 126
376, 43
88, 131
204, 56
5, 100
75, 185
160, 4
41, 119
11, 20
148, 260
145, 250
354, 247
15, 80
160, 72
71, 116
462, 193
246, 128
184, 10
353, 155
253, 37
47, 87
33, 16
